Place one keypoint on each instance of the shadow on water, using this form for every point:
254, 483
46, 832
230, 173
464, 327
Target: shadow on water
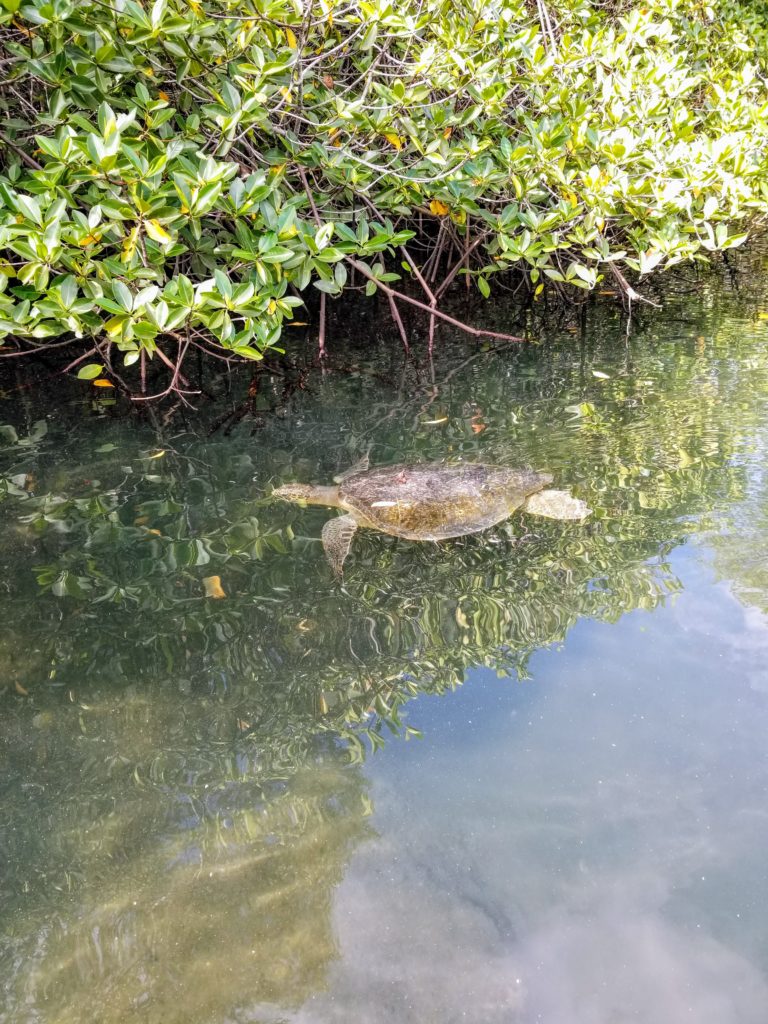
184, 774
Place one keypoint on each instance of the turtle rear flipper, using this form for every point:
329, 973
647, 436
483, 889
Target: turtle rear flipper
337, 537
556, 505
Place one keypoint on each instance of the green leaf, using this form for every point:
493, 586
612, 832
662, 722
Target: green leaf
90, 371
248, 352
68, 291
29, 207
123, 295
223, 284
323, 235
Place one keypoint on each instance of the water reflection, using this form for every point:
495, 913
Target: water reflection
588, 849
192, 836
153, 890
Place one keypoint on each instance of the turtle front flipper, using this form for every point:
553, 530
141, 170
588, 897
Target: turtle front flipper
556, 505
337, 537
361, 466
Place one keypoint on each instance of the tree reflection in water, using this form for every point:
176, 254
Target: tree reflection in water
184, 774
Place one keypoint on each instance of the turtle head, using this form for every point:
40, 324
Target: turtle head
307, 494
293, 492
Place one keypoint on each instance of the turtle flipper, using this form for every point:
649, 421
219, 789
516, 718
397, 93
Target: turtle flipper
556, 505
337, 537
361, 466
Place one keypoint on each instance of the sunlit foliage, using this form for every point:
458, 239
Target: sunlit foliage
177, 175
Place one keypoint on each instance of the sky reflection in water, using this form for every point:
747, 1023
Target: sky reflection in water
587, 849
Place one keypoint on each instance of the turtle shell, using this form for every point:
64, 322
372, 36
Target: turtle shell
437, 501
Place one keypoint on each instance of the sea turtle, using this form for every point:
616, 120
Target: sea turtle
430, 501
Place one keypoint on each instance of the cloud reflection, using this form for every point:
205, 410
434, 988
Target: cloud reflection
414, 952
588, 855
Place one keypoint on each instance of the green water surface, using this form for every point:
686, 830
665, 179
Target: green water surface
564, 819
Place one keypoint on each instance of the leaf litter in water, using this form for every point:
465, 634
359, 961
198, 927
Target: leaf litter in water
213, 587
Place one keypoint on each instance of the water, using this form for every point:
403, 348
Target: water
564, 817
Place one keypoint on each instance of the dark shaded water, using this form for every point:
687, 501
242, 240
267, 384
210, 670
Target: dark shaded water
193, 827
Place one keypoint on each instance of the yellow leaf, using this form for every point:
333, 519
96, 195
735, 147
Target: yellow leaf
292, 42
438, 207
762, 316
129, 245
157, 232
448, 132
213, 587
100, 382
163, 95
90, 239
114, 325
157, 455
272, 306
285, 92
156, 533
394, 140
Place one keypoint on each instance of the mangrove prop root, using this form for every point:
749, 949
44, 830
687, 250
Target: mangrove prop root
400, 297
